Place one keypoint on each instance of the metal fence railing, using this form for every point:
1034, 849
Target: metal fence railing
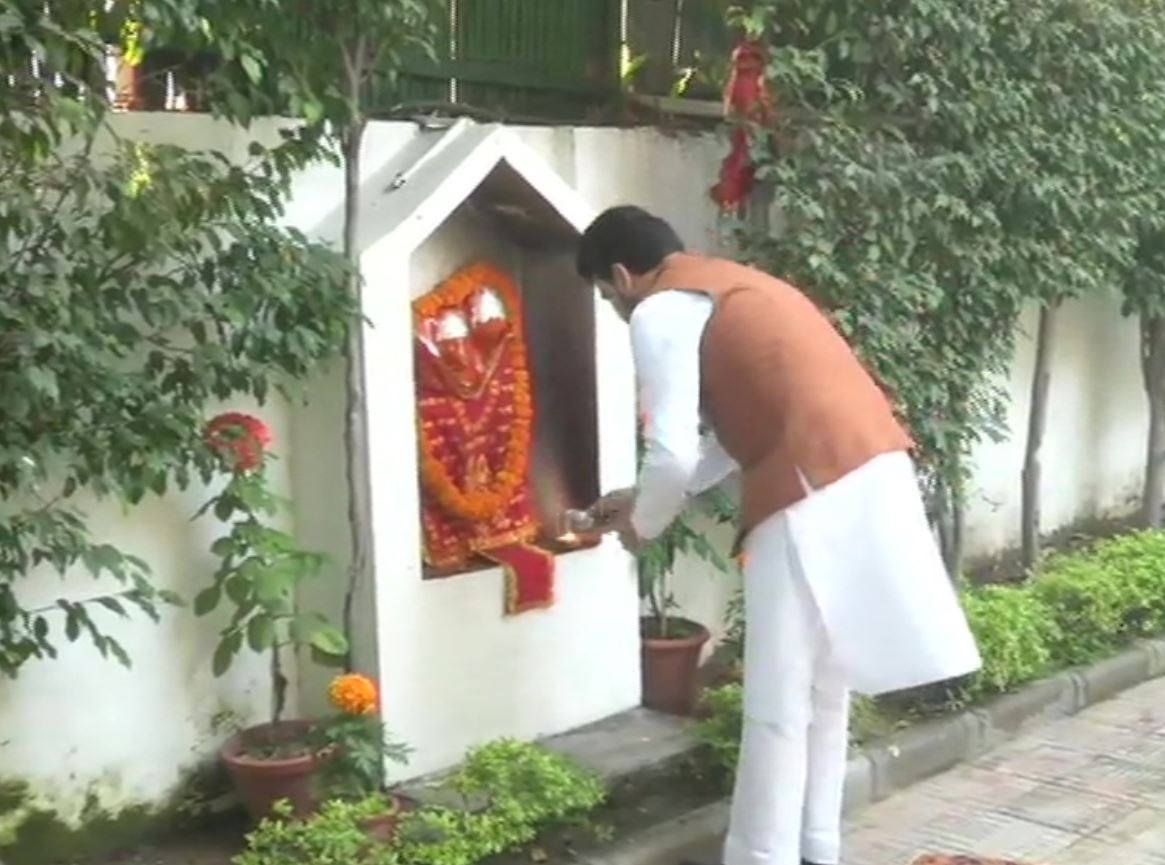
540, 59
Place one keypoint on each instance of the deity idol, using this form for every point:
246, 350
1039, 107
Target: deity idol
475, 419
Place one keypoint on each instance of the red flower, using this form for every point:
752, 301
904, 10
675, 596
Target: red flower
239, 439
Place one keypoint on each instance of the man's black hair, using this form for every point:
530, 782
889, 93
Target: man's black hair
625, 235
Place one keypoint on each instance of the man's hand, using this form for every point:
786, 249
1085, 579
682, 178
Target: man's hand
631, 541
612, 512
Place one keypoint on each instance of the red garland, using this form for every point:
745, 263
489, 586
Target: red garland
747, 101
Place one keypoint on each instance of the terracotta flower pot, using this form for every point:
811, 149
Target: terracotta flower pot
262, 781
382, 828
670, 664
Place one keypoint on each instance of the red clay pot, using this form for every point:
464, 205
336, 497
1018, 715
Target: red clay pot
262, 782
382, 828
670, 665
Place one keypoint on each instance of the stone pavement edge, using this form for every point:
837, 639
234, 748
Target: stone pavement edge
1069, 771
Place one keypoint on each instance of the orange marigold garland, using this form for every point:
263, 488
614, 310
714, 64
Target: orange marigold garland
475, 420
482, 504
354, 694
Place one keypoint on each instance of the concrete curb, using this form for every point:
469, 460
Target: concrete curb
919, 752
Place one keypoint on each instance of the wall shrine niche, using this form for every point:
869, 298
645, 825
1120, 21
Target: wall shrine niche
506, 419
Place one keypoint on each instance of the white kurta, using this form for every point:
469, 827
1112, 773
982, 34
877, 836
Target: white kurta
867, 553
845, 589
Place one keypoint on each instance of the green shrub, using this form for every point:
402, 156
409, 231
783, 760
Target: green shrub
1015, 634
522, 788
1137, 562
512, 791
1079, 607
335, 836
867, 721
1106, 597
1086, 602
719, 731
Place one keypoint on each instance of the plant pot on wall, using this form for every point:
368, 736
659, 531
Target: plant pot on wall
670, 663
270, 762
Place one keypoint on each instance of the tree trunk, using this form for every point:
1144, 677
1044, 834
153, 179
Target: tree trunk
949, 523
278, 686
1153, 371
958, 536
1037, 421
355, 418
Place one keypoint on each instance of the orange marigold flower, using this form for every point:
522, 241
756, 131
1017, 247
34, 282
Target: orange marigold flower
482, 503
353, 694
239, 439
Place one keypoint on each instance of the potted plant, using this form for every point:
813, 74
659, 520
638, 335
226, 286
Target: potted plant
296, 760
359, 745
670, 645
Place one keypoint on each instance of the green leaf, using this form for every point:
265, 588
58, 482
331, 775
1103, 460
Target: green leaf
225, 653
224, 546
113, 605
224, 508
329, 641
207, 600
324, 659
119, 653
238, 588
275, 582
261, 633
305, 625
313, 111
43, 380
252, 67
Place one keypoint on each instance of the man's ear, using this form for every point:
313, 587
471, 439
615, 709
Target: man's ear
622, 281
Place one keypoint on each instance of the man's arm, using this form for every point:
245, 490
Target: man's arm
666, 330
714, 467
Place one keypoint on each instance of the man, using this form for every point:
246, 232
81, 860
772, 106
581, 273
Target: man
844, 585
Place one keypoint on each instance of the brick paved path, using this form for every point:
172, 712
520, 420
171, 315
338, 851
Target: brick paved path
1088, 790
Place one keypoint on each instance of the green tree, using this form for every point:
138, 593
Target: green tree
141, 285
1084, 66
1144, 299
326, 62
884, 225
938, 166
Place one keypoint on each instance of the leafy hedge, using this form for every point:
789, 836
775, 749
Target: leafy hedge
510, 791
1079, 608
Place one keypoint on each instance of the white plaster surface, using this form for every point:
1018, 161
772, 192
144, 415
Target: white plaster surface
80, 725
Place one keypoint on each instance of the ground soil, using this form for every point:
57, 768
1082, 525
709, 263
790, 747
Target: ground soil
632, 807
214, 843
1008, 568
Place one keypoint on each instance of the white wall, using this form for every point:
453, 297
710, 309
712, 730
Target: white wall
1093, 454
78, 725
455, 671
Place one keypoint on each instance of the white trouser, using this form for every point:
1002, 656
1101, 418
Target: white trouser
789, 784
